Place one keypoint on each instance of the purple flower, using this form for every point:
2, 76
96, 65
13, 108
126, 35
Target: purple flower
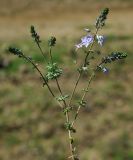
105, 70
100, 39
85, 41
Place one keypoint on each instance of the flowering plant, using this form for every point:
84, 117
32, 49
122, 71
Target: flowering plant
54, 72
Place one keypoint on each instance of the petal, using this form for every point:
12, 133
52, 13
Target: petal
84, 39
87, 29
87, 44
79, 45
100, 39
105, 70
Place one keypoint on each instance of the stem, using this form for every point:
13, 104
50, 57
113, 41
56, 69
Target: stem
65, 106
50, 53
59, 88
70, 138
84, 94
84, 64
57, 83
46, 62
76, 84
39, 73
67, 120
40, 49
29, 60
83, 97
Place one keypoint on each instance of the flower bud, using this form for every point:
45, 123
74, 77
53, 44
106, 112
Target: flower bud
52, 41
100, 22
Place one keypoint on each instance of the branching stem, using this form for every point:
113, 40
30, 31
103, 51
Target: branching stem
41, 51
84, 94
80, 73
83, 97
66, 113
38, 70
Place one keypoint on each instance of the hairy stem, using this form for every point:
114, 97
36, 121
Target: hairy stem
38, 70
84, 64
68, 121
70, 138
84, 94
66, 114
41, 51
83, 97
35, 66
50, 54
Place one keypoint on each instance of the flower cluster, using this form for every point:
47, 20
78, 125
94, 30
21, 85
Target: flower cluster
111, 58
114, 56
100, 39
15, 51
103, 69
100, 22
35, 35
52, 41
88, 39
53, 71
85, 41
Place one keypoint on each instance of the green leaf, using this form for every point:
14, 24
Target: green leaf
53, 71
62, 98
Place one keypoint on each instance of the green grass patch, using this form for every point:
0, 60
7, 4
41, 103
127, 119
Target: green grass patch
12, 140
119, 37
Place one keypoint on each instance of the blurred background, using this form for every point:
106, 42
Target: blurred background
31, 126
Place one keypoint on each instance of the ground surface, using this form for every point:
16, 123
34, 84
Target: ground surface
30, 125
